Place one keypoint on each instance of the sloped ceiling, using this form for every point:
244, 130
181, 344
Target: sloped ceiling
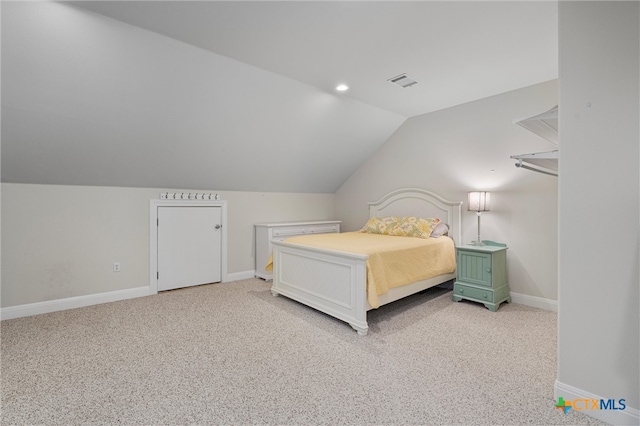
239, 95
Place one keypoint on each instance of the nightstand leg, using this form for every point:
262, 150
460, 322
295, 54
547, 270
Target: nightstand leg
492, 306
456, 298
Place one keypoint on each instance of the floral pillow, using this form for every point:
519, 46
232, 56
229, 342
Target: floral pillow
414, 227
408, 226
379, 225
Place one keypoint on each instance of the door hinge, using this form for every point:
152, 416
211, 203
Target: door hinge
157, 275
157, 221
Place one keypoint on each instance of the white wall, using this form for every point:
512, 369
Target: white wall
452, 152
599, 193
61, 241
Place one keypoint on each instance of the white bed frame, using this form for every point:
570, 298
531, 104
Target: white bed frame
334, 282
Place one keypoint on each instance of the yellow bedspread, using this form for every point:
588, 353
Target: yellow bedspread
393, 261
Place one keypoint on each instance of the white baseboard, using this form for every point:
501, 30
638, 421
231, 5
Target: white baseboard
71, 303
628, 416
534, 302
112, 296
237, 276
91, 299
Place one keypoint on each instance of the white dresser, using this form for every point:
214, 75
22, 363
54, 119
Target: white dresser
265, 232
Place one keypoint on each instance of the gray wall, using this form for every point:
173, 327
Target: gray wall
454, 151
598, 331
87, 100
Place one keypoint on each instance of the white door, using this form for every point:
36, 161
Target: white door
189, 246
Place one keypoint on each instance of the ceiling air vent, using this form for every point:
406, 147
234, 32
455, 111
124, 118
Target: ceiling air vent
403, 80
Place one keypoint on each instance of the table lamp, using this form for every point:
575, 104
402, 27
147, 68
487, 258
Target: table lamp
479, 202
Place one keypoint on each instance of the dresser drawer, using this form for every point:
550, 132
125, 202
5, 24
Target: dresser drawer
288, 232
473, 292
326, 229
285, 232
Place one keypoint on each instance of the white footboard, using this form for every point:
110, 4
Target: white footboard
335, 282
330, 281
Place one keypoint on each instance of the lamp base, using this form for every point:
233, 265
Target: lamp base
477, 243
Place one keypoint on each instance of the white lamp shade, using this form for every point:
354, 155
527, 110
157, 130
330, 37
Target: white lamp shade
479, 201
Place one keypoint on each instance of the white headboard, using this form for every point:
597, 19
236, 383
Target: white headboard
420, 203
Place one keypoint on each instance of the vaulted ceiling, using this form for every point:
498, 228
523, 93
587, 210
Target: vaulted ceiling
240, 95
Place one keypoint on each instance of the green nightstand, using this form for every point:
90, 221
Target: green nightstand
481, 274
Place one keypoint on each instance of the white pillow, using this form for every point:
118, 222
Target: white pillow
440, 230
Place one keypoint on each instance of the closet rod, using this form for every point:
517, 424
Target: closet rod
524, 166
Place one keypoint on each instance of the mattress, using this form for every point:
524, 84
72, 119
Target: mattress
393, 261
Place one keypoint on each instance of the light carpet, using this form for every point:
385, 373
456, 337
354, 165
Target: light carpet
233, 354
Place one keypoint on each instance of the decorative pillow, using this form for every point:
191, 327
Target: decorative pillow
414, 227
440, 230
379, 225
408, 226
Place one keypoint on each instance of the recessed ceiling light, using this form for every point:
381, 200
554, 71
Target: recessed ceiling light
342, 87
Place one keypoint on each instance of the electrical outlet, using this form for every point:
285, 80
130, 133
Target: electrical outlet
116, 267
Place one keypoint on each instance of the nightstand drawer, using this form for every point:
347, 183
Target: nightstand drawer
473, 293
474, 268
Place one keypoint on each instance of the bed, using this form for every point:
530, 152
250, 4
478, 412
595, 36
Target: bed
335, 282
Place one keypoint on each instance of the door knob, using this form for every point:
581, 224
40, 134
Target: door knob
218, 226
